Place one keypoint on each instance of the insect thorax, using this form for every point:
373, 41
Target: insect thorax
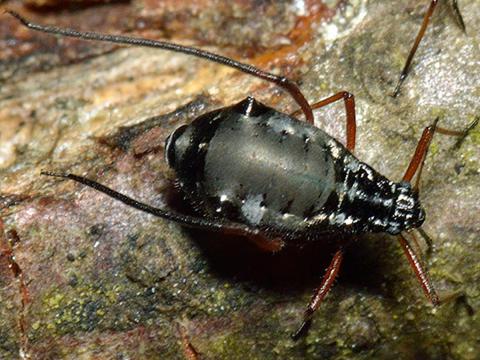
366, 201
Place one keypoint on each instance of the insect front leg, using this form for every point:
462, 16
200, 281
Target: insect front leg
420, 272
416, 163
415, 168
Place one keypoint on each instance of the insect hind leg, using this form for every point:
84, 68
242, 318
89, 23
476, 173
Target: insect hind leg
320, 293
349, 101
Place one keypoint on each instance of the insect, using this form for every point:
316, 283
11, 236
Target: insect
284, 181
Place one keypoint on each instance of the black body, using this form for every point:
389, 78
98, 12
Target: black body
251, 164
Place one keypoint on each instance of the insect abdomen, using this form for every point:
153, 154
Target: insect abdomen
259, 167
278, 172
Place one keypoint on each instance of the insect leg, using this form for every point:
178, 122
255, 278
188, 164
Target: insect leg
428, 240
413, 50
189, 351
265, 243
416, 244
7, 243
186, 220
421, 274
418, 39
321, 292
281, 81
349, 101
458, 16
418, 158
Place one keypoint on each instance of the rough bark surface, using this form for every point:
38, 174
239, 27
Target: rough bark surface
108, 282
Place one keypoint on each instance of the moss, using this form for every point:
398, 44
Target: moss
68, 311
474, 135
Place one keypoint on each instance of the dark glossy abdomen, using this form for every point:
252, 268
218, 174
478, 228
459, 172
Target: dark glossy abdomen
267, 171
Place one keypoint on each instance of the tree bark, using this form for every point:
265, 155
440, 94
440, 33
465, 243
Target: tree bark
109, 282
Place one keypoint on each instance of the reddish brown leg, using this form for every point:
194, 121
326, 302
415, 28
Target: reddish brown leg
421, 274
413, 50
416, 244
189, 351
261, 241
321, 291
418, 39
416, 166
349, 100
266, 244
427, 238
7, 243
418, 158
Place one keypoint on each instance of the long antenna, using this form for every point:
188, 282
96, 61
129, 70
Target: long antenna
186, 220
281, 81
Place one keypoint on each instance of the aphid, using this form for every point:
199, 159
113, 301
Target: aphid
283, 181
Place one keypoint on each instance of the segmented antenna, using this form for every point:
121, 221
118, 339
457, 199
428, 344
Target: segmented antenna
281, 81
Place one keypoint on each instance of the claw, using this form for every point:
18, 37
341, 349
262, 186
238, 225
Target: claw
302, 330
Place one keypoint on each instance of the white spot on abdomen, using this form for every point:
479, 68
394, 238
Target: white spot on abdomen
252, 210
